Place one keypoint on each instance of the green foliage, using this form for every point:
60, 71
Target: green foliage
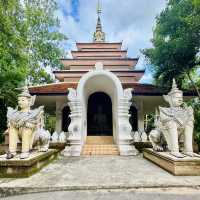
29, 44
42, 38
149, 122
2, 121
176, 43
195, 103
175, 51
50, 123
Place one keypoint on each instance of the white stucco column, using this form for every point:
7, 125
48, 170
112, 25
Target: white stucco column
124, 135
75, 138
141, 116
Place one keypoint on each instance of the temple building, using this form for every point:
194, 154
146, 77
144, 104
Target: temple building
97, 92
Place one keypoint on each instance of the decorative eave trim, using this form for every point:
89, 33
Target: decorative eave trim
49, 94
92, 43
77, 59
71, 71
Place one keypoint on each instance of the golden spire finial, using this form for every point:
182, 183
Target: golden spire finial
98, 8
99, 35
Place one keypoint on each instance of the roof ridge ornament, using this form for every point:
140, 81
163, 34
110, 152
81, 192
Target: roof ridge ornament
99, 35
98, 66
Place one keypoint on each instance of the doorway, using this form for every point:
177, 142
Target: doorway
99, 115
65, 118
133, 118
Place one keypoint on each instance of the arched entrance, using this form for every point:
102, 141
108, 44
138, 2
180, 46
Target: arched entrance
133, 118
99, 115
100, 81
81, 101
65, 118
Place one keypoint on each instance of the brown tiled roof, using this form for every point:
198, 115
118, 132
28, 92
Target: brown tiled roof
54, 88
144, 89
138, 89
62, 88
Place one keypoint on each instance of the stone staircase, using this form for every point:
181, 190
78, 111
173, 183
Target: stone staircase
100, 145
94, 149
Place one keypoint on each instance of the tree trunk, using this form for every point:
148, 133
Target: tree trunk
193, 84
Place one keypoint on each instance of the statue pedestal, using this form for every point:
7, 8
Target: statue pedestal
52, 145
20, 168
188, 166
57, 145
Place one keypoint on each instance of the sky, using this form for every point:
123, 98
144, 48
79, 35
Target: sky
129, 21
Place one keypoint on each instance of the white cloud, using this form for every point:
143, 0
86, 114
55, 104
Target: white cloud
130, 21
65, 5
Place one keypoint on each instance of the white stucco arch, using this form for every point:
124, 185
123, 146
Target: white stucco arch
100, 80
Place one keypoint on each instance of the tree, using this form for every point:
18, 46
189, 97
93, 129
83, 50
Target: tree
13, 59
29, 43
176, 44
195, 103
43, 39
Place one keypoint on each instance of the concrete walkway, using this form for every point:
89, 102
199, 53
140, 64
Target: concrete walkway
100, 172
133, 194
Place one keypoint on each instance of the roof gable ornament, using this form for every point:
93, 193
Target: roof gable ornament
99, 35
99, 66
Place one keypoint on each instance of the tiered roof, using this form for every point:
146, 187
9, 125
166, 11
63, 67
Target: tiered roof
110, 54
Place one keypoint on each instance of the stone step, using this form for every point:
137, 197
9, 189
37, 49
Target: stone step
89, 149
103, 140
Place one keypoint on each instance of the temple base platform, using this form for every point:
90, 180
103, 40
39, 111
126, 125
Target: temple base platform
188, 166
20, 168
